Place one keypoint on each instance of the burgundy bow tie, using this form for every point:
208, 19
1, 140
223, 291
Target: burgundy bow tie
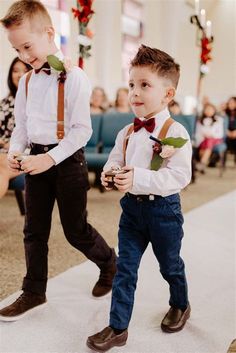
148, 124
45, 68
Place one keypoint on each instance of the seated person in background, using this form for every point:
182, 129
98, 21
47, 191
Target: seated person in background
98, 102
7, 121
121, 104
174, 108
209, 132
231, 132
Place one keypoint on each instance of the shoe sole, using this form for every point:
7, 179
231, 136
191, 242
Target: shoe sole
101, 296
169, 330
18, 317
102, 350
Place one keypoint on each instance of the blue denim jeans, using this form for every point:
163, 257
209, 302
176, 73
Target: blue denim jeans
142, 221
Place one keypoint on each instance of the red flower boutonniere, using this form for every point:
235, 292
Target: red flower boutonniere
164, 148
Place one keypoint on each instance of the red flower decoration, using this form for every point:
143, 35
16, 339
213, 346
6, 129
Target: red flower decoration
83, 13
206, 49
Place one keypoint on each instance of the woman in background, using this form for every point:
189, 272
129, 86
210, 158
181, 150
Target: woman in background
231, 132
98, 102
209, 132
7, 121
121, 104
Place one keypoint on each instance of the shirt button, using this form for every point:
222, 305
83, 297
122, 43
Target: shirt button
45, 149
81, 163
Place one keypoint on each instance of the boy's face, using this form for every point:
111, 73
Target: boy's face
32, 44
148, 93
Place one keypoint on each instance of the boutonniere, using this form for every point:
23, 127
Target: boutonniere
63, 67
164, 148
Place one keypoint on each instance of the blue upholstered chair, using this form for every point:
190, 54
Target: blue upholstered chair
18, 185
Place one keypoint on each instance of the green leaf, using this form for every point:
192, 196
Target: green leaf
176, 142
55, 63
156, 162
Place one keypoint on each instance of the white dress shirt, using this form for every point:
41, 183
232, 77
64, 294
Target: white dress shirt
175, 172
36, 116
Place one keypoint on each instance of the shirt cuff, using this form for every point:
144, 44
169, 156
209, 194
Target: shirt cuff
17, 147
141, 181
58, 154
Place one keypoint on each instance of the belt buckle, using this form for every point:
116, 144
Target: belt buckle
151, 197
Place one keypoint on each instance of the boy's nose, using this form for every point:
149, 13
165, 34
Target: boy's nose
24, 57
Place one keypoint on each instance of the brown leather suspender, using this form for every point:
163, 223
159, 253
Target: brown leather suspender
60, 105
60, 111
161, 135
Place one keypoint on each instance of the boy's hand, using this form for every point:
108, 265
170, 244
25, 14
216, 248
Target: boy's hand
124, 182
13, 164
37, 164
104, 181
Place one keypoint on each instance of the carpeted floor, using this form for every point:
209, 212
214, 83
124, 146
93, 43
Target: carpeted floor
103, 213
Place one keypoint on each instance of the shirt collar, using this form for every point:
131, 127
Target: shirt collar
163, 115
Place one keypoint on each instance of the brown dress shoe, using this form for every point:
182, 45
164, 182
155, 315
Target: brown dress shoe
175, 319
104, 283
106, 339
25, 303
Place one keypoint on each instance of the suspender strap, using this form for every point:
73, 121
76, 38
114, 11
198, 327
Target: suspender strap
165, 128
161, 135
60, 105
126, 139
60, 111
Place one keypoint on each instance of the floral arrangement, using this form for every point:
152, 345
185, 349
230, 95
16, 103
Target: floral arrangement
83, 13
164, 148
206, 47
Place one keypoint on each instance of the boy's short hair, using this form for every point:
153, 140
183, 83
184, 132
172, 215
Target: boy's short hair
25, 9
158, 61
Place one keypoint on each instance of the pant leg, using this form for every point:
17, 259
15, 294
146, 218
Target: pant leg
166, 234
40, 197
71, 194
132, 244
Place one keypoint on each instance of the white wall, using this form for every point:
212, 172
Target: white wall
167, 26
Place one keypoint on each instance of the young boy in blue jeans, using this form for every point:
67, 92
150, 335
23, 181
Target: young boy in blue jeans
56, 168
151, 210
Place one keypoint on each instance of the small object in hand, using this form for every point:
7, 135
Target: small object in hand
111, 174
20, 158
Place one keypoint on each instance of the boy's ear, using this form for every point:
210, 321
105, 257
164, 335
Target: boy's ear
51, 33
170, 93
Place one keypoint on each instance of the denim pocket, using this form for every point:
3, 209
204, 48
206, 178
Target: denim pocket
174, 205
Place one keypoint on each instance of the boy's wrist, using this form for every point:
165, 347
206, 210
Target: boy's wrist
50, 159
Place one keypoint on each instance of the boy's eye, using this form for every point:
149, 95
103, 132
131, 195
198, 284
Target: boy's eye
144, 84
27, 46
131, 85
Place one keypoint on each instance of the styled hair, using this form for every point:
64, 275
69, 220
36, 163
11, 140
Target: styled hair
12, 87
159, 62
25, 9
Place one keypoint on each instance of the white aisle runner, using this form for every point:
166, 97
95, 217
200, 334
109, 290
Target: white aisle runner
71, 313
